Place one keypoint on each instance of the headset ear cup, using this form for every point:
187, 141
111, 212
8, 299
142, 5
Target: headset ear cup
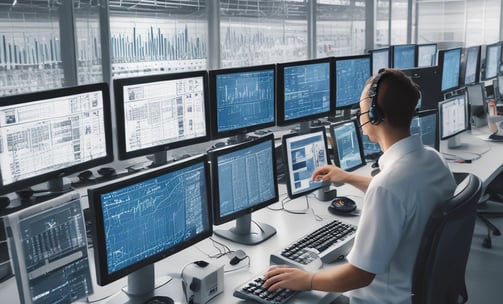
375, 115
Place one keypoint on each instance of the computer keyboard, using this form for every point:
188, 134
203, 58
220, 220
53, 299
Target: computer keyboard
331, 242
253, 291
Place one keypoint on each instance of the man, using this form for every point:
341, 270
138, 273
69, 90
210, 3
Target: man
396, 206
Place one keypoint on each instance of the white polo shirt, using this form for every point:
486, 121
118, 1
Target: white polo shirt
397, 205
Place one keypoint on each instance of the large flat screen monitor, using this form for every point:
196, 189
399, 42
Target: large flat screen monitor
492, 61
244, 181
380, 59
425, 124
347, 145
453, 119
426, 55
242, 100
471, 65
306, 90
450, 65
160, 112
475, 94
49, 254
143, 218
46, 135
403, 56
428, 80
351, 74
302, 155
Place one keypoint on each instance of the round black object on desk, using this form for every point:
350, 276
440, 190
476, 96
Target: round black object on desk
106, 171
342, 205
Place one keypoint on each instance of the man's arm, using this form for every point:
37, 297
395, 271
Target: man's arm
337, 175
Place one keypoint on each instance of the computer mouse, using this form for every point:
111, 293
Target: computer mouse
85, 175
106, 171
342, 205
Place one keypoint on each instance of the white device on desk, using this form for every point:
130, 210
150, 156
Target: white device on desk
202, 281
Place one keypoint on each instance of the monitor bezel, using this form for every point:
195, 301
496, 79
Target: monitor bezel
120, 83
215, 154
428, 112
280, 98
441, 56
333, 126
392, 54
426, 80
344, 58
379, 50
486, 51
288, 174
418, 47
17, 100
98, 228
477, 67
213, 74
440, 116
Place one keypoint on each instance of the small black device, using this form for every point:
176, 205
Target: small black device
342, 204
106, 171
85, 175
159, 300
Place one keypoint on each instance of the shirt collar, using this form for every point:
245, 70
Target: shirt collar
399, 149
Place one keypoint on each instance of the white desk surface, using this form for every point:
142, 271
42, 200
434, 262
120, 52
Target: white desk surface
289, 227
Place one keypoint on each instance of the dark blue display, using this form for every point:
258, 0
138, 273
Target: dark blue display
306, 90
404, 56
450, 69
380, 60
244, 99
472, 65
351, 75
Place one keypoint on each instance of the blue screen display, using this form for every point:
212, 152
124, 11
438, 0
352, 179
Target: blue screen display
244, 99
351, 75
306, 90
426, 55
426, 127
472, 56
380, 60
450, 69
493, 58
404, 56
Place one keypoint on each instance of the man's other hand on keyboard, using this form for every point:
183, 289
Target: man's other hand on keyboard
281, 276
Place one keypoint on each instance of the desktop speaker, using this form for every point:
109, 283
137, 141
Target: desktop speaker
202, 281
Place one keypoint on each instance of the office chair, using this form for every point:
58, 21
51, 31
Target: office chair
493, 193
439, 270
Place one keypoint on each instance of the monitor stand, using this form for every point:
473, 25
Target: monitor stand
160, 158
243, 233
454, 143
326, 194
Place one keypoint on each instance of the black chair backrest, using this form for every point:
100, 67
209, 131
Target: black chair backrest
439, 270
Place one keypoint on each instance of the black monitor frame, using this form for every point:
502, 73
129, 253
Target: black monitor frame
378, 51
160, 149
213, 74
280, 99
486, 51
428, 81
441, 64
242, 233
55, 176
418, 50
358, 90
355, 125
471, 51
393, 49
141, 272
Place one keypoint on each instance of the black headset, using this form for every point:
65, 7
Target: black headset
376, 115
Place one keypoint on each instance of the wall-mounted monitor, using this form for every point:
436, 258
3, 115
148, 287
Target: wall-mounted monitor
242, 100
244, 180
425, 124
303, 153
47, 135
306, 90
403, 56
453, 119
426, 55
347, 145
146, 217
160, 112
471, 65
449, 62
492, 61
380, 59
351, 74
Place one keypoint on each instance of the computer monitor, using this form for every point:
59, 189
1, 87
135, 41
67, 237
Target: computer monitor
302, 154
380, 59
351, 74
371, 150
498, 89
403, 56
426, 55
49, 254
477, 104
425, 124
453, 119
306, 90
242, 100
428, 80
160, 112
244, 181
144, 218
471, 65
449, 62
347, 145
47, 135
492, 61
